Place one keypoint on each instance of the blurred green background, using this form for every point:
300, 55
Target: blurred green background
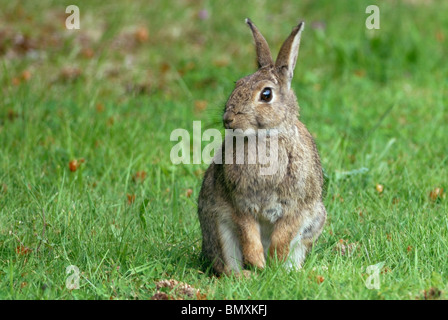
85, 123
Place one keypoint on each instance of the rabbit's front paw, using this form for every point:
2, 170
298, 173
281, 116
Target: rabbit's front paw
254, 257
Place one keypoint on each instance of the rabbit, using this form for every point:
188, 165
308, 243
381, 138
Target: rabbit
246, 217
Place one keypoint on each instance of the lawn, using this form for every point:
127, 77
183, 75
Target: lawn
89, 195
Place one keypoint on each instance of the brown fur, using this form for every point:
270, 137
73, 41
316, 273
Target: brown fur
238, 208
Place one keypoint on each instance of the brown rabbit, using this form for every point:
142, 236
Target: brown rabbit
246, 216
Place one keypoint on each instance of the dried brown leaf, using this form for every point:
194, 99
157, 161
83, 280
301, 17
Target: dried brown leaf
22, 250
131, 198
346, 248
73, 165
200, 105
100, 107
141, 34
87, 53
139, 176
26, 75
379, 188
320, 279
432, 294
70, 74
437, 193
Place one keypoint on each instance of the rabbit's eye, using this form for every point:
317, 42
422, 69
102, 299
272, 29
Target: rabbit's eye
266, 95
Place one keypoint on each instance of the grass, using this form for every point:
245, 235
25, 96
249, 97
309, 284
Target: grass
110, 94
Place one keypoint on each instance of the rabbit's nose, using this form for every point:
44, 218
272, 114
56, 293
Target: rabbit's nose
228, 119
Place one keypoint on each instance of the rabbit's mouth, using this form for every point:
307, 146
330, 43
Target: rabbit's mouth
233, 120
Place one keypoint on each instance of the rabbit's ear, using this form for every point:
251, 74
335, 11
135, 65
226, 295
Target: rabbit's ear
287, 57
264, 57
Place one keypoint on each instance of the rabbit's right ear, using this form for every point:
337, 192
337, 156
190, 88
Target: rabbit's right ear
264, 57
287, 57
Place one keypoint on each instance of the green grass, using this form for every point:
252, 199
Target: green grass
372, 99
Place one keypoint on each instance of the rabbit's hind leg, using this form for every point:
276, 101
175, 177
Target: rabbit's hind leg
305, 238
230, 245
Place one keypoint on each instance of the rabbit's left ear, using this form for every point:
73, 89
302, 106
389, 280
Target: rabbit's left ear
287, 57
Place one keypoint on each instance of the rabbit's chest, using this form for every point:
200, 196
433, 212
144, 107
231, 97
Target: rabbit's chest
265, 204
256, 172
266, 196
